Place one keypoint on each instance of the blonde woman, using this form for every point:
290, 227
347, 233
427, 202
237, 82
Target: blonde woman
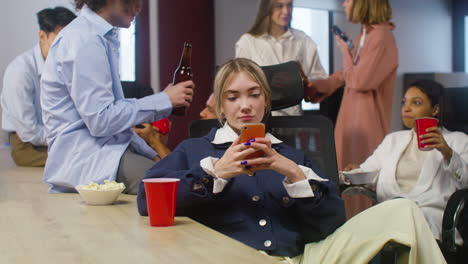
286, 208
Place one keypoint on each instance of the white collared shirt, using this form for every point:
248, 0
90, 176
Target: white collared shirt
293, 45
21, 108
226, 134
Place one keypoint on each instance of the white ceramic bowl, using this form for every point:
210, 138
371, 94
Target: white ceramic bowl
98, 197
358, 176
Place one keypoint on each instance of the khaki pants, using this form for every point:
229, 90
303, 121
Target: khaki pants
362, 237
26, 154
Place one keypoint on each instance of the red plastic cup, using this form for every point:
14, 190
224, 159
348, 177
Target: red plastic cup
163, 125
161, 196
421, 125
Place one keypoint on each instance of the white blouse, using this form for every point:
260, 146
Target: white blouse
293, 45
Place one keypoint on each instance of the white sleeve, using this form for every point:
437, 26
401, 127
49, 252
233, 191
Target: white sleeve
207, 164
243, 49
302, 189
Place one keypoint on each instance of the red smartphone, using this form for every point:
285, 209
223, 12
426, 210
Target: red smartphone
163, 125
251, 131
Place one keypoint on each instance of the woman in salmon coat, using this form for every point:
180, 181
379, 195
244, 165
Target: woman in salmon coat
368, 73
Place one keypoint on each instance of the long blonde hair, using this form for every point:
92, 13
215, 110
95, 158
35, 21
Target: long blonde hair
263, 22
228, 71
368, 12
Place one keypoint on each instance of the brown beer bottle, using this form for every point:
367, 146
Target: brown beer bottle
308, 96
183, 73
304, 78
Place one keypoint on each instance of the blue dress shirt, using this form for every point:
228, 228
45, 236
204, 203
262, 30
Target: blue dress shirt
88, 120
21, 108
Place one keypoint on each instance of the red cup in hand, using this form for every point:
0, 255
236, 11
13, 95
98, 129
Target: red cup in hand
421, 125
163, 125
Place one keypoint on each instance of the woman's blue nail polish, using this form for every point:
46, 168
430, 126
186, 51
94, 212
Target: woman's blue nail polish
247, 143
248, 167
252, 140
243, 162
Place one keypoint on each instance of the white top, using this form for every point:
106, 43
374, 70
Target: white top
299, 189
410, 165
293, 45
21, 108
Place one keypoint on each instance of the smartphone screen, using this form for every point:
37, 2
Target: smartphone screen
251, 131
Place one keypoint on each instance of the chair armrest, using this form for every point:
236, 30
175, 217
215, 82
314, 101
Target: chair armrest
456, 204
360, 189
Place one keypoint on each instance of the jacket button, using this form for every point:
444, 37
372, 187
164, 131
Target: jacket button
197, 186
267, 243
286, 200
255, 198
262, 222
205, 180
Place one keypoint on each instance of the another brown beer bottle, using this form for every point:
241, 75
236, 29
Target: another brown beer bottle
183, 73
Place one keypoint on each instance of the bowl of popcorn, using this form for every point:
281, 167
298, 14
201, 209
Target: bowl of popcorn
359, 176
100, 194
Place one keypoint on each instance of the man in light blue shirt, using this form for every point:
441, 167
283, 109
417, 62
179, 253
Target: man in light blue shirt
88, 120
21, 109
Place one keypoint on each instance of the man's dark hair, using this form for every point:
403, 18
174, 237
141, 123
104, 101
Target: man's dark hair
51, 18
94, 5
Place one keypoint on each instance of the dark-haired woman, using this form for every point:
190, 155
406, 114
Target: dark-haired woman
426, 177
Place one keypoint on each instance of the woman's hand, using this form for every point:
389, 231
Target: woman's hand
316, 91
274, 161
154, 139
342, 45
351, 166
148, 132
436, 140
343, 178
233, 163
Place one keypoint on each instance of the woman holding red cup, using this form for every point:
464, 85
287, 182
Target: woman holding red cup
426, 166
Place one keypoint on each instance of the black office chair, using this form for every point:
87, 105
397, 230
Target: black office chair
136, 89
455, 218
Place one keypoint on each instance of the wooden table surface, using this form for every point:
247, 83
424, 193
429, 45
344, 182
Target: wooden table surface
38, 227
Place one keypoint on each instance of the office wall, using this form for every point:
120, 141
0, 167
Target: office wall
20, 31
423, 34
424, 37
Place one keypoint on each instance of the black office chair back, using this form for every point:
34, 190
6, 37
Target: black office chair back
286, 84
136, 89
312, 134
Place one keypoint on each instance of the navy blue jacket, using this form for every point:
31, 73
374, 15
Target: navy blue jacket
239, 210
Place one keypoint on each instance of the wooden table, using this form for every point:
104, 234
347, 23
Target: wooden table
37, 227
